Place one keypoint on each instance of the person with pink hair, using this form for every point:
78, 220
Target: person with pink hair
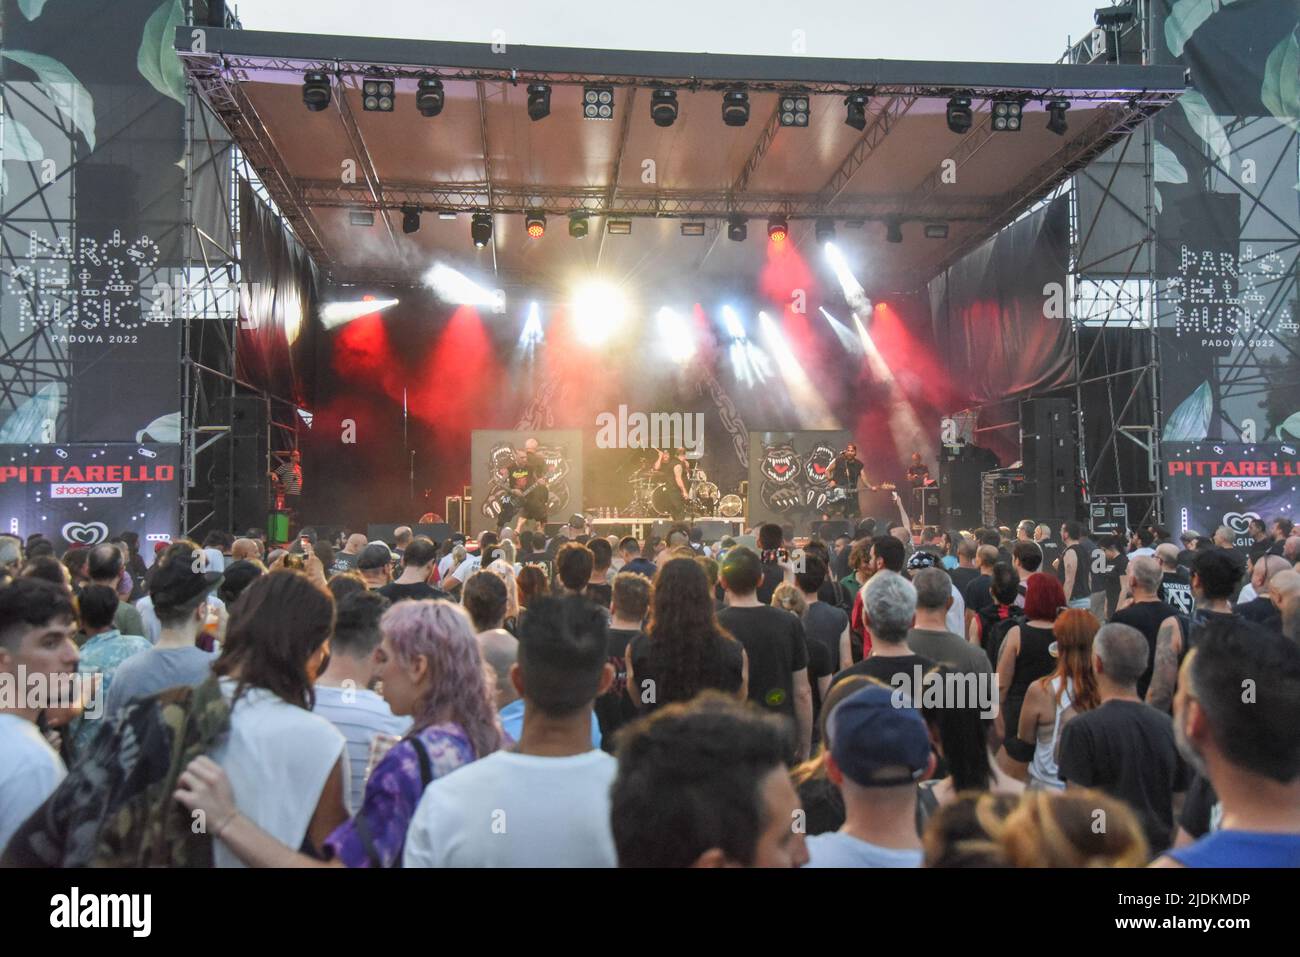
431, 669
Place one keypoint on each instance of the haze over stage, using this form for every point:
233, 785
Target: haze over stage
482, 152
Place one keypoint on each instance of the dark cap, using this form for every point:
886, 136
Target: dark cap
375, 555
577, 521
870, 732
184, 576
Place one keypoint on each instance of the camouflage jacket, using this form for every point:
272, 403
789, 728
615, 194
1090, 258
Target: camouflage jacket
115, 808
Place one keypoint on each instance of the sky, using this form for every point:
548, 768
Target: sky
1019, 31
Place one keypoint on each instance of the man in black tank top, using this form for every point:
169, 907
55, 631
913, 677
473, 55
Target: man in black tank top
1077, 563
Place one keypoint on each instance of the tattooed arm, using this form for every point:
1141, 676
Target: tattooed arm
1164, 673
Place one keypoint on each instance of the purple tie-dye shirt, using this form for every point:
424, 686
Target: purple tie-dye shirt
392, 793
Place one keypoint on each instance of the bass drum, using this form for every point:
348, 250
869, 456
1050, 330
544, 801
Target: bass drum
662, 500
704, 496
731, 506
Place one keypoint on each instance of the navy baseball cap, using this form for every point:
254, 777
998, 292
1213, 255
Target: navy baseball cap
869, 734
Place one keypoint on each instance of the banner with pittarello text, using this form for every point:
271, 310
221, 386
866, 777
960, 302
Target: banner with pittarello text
1211, 484
87, 493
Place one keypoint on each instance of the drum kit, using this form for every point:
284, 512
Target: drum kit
652, 495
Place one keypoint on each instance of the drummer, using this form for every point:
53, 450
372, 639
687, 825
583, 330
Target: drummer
845, 472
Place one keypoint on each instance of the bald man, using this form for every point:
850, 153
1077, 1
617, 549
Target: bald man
246, 549
1176, 581
1281, 587
1261, 609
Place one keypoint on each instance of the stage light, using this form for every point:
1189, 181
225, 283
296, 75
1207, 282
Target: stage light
1006, 115
598, 310
856, 106
893, 231
960, 117
598, 102
410, 219
429, 96
794, 109
1056, 122
480, 229
825, 231
377, 94
619, 227
535, 223
663, 107
735, 108
455, 287
678, 342
316, 90
731, 319
737, 229
447, 214
579, 225
335, 314
539, 101
847, 339
777, 229
361, 217
692, 229
936, 230
532, 334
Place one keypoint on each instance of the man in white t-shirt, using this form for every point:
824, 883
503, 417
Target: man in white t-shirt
546, 803
37, 622
343, 692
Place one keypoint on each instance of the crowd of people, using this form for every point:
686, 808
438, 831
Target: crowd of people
890, 698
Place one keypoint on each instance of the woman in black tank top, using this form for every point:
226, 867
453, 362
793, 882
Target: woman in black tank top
1024, 656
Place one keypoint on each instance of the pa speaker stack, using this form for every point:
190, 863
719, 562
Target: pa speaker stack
1049, 453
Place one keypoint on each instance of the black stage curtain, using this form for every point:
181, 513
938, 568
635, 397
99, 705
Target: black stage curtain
1115, 463
988, 311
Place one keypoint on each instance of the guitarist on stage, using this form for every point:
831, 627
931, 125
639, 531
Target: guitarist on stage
526, 479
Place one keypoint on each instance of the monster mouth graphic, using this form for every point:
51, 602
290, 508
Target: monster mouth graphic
819, 469
782, 465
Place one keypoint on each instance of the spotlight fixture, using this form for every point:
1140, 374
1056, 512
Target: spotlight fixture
693, 229
893, 231
825, 231
1006, 115
856, 105
539, 100
449, 214
619, 227
579, 225
316, 90
377, 94
535, 223
737, 229
777, 229
960, 117
410, 219
361, 217
663, 107
429, 96
794, 109
480, 229
735, 107
936, 230
598, 102
1056, 122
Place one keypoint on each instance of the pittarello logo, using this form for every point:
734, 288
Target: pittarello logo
645, 430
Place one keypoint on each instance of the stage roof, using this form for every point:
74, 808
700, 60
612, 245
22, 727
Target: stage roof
483, 153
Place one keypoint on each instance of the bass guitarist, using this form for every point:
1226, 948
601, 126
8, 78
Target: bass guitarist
528, 495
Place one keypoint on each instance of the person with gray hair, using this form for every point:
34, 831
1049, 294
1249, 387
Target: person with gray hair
930, 636
1147, 612
1123, 747
1176, 581
1261, 609
11, 554
889, 608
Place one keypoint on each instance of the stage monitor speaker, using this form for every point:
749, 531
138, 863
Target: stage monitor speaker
381, 531
455, 511
959, 487
1050, 458
828, 531
437, 532
714, 530
1108, 518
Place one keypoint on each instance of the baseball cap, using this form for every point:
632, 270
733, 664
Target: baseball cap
577, 521
870, 734
922, 560
175, 582
374, 555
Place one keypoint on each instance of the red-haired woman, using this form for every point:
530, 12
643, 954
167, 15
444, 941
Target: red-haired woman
1051, 701
1024, 656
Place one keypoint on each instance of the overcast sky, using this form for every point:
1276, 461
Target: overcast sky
1025, 31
